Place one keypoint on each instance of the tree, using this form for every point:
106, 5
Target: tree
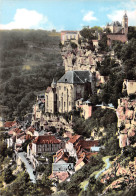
87, 34
8, 177
73, 45
103, 43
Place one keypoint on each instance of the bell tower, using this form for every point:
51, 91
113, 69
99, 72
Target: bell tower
125, 23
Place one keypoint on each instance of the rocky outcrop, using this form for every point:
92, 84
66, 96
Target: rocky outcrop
126, 113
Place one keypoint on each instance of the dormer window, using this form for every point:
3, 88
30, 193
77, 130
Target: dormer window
65, 79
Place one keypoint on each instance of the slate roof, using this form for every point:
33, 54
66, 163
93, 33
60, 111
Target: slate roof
76, 77
115, 23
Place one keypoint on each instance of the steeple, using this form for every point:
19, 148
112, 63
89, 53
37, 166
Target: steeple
125, 15
125, 23
53, 84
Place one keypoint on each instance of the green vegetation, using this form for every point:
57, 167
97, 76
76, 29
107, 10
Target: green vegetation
73, 45
30, 59
131, 32
23, 186
112, 90
73, 187
88, 33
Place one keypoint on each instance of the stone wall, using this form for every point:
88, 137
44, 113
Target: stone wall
117, 37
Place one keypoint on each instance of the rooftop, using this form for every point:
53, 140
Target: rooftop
46, 139
76, 77
74, 138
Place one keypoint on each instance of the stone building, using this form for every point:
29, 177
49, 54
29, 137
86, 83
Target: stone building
51, 99
119, 30
72, 86
117, 27
129, 86
69, 35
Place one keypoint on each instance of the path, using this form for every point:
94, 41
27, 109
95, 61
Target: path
29, 167
107, 162
107, 165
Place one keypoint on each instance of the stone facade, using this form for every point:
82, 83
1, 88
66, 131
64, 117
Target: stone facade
72, 86
69, 35
51, 99
118, 31
117, 27
46, 143
129, 86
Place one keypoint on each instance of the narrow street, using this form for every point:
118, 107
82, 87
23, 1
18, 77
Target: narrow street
29, 167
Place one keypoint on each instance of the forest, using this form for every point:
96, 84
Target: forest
29, 60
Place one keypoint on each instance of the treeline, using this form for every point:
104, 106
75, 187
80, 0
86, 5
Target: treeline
29, 60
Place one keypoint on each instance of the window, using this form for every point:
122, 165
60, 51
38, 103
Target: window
59, 87
39, 148
64, 104
64, 88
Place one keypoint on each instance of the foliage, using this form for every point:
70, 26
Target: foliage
100, 118
73, 45
103, 43
24, 145
73, 187
94, 187
23, 186
30, 59
8, 177
87, 34
131, 32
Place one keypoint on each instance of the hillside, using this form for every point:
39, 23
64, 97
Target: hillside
28, 63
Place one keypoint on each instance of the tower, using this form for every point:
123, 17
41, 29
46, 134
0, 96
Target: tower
125, 23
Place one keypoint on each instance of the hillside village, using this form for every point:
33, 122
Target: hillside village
49, 129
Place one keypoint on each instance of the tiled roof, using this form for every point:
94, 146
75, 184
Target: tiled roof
76, 77
87, 144
74, 138
9, 124
14, 130
62, 176
61, 155
81, 159
17, 130
46, 139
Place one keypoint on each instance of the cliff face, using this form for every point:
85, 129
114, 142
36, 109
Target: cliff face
126, 113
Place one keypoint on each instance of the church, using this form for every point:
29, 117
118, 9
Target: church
61, 96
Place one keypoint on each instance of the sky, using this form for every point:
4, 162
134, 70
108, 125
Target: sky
64, 14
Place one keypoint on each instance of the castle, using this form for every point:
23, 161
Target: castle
118, 31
